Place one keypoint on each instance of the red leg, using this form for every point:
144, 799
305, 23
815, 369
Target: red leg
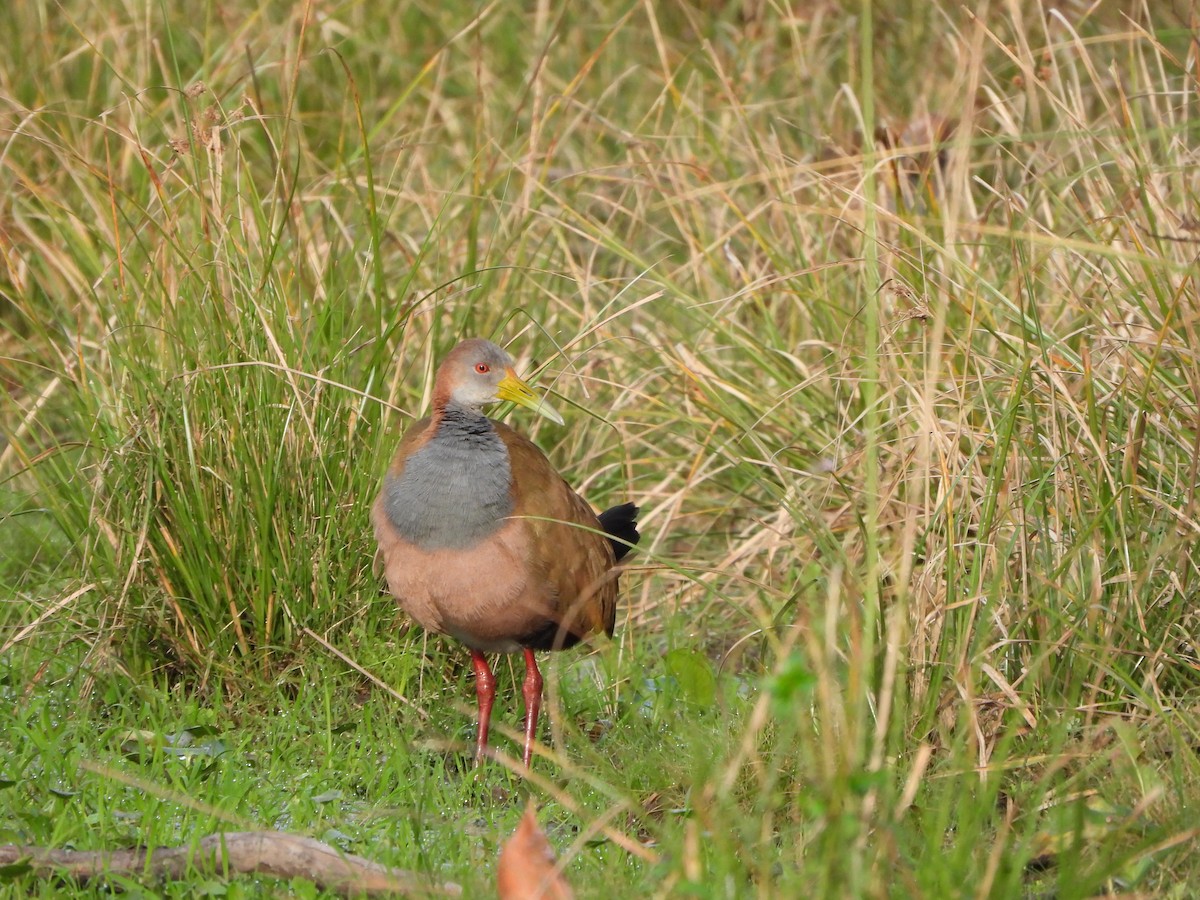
485, 691
532, 689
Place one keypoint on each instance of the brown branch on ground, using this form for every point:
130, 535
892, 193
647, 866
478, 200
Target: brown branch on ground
247, 852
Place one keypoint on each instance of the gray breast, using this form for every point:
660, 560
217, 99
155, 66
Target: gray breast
454, 491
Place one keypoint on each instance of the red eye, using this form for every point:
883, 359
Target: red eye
482, 368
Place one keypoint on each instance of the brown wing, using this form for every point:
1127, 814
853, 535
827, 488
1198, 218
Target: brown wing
568, 548
417, 435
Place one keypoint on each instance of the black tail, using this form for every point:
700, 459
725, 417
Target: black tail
620, 522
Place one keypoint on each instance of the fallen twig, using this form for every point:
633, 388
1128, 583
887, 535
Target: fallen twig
259, 852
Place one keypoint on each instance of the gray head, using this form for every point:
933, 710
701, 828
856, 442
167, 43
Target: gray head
478, 372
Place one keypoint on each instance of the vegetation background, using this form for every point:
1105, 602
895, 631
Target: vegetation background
886, 314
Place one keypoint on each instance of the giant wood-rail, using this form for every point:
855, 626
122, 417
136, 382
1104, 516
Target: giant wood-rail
481, 539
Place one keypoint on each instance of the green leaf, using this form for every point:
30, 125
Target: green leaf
203, 750
862, 782
197, 731
790, 681
15, 869
693, 672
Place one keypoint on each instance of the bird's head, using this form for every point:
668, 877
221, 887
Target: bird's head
478, 372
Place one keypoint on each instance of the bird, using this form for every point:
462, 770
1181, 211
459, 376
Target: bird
481, 539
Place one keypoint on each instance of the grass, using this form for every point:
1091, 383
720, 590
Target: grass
911, 421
